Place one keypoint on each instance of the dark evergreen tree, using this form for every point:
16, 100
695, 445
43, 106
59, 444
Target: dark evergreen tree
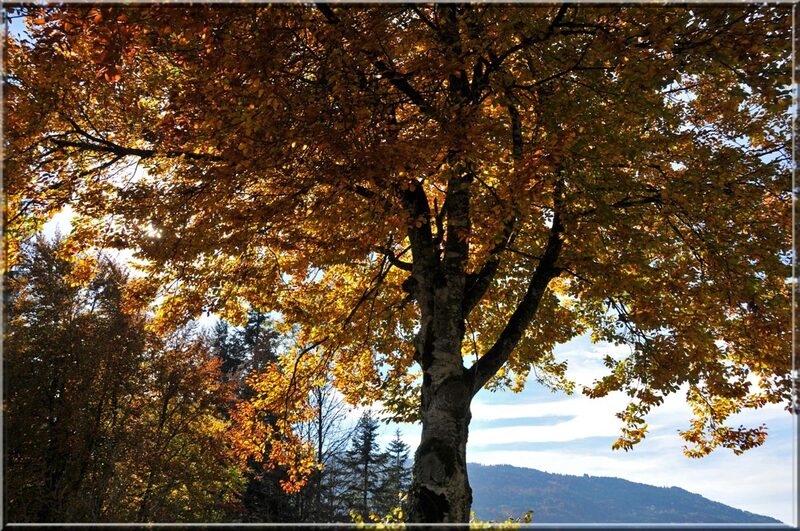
260, 340
248, 349
333, 482
225, 345
245, 349
396, 475
263, 499
366, 462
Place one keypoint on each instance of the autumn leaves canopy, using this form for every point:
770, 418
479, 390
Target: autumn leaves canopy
291, 159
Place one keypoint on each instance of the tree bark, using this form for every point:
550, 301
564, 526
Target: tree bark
440, 490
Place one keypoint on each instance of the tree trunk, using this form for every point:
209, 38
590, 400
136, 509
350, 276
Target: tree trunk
440, 490
446, 294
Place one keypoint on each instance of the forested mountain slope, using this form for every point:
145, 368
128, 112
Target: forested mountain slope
501, 491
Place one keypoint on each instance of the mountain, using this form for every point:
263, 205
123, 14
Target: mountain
501, 491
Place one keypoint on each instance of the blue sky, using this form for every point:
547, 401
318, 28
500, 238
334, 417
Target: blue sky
563, 434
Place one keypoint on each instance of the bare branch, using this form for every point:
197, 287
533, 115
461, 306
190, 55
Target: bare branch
121, 151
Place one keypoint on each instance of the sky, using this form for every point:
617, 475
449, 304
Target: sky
562, 434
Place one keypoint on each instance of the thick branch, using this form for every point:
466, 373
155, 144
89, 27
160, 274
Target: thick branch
488, 365
628, 202
425, 266
395, 259
478, 283
400, 82
420, 234
121, 151
533, 39
456, 209
364, 192
516, 132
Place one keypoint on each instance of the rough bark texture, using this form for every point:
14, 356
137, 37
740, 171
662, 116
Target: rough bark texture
440, 491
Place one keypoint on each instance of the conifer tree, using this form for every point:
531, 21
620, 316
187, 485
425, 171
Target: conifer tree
247, 348
243, 350
227, 348
366, 462
397, 475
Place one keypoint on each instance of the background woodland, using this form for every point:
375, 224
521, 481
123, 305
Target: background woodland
107, 422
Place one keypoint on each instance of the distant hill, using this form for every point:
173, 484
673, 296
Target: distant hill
501, 491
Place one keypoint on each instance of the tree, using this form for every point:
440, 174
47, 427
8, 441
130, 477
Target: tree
365, 463
228, 347
105, 421
243, 351
70, 357
264, 499
456, 187
396, 475
246, 349
322, 499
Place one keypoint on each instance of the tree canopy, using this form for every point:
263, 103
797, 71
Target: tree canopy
105, 422
463, 187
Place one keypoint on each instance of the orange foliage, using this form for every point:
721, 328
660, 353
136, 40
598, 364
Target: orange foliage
265, 156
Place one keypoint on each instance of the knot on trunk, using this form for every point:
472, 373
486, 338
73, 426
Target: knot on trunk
410, 285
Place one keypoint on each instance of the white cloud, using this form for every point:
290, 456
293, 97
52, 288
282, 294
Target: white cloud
589, 418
